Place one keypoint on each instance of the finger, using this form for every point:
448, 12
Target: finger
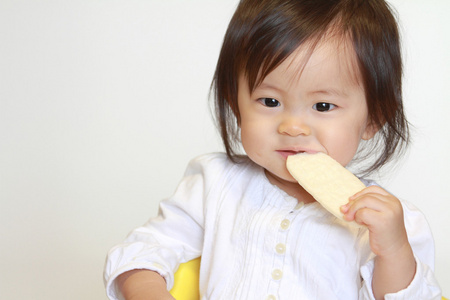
344, 208
366, 216
368, 201
371, 189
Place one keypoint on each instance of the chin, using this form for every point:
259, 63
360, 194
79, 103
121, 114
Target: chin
280, 176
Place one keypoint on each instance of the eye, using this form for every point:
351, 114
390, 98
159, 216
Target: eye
323, 106
269, 102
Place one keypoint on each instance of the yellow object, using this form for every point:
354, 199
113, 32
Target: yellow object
186, 286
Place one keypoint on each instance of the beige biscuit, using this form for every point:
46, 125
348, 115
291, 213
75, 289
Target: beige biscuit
325, 179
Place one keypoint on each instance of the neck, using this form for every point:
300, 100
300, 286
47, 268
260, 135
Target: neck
292, 188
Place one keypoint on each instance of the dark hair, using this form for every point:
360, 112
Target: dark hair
263, 33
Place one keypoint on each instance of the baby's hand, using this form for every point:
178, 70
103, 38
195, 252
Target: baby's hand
382, 213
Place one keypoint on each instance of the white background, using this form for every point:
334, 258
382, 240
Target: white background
103, 103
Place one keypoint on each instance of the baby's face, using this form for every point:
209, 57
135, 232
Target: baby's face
314, 107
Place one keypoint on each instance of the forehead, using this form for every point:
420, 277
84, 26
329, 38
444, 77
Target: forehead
331, 60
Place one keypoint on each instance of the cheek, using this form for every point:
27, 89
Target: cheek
249, 137
342, 144
252, 139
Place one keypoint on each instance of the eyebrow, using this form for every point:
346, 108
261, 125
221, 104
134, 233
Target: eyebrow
268, 86
325, 91
329, 91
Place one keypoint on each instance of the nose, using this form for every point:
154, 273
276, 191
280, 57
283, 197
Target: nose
294, 126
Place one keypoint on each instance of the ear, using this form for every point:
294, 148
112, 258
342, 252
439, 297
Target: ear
370, 130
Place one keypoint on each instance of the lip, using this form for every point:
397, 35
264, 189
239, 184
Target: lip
285, 153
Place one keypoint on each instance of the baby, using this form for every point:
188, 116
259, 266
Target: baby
293, 76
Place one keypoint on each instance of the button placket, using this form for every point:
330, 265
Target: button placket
280, 250
280, 247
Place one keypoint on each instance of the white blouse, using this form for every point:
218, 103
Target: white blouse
257, 242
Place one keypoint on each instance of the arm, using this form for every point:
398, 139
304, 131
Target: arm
394, 272
174, 236
143, 285
382, 213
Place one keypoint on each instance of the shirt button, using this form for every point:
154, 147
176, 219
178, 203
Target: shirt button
285, 224
271, 297
280, 248
299, 205
277, 274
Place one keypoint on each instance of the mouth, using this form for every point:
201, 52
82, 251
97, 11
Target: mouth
286, 153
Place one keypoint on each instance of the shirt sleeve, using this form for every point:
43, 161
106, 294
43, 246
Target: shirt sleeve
173, 237
424, 285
